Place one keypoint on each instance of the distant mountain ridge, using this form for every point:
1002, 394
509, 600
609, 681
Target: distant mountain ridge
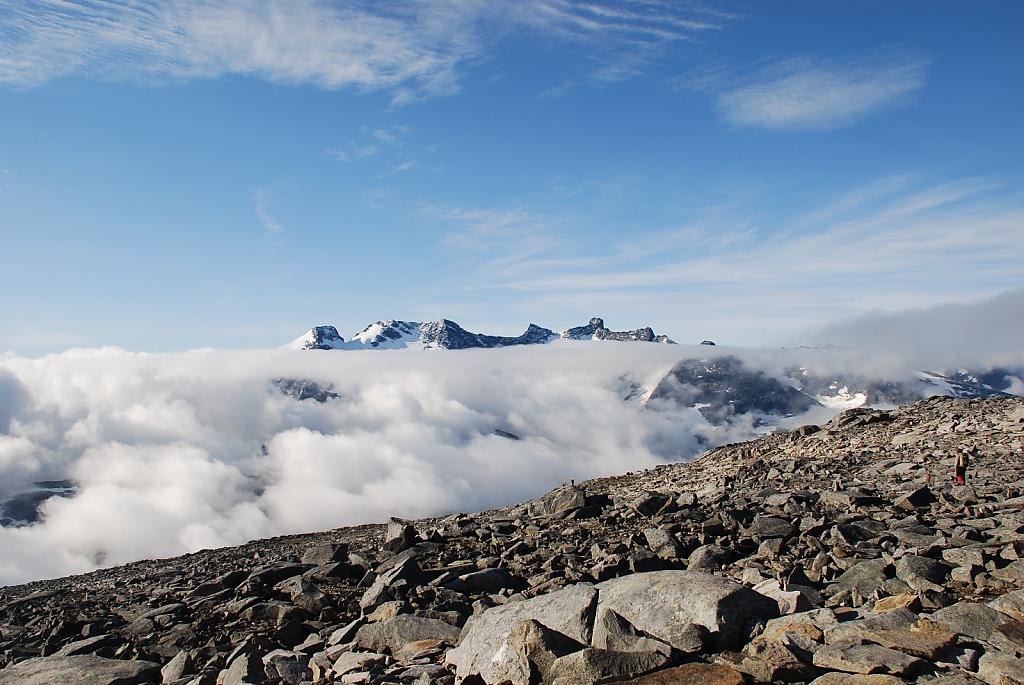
447, 335
724, 387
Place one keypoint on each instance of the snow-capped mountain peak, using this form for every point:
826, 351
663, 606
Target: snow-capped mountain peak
448, 335
318, 338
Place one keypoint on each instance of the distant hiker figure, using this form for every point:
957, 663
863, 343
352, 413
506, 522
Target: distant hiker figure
963, 460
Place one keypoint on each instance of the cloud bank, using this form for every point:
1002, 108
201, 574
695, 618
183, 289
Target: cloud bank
989, 332
174, 453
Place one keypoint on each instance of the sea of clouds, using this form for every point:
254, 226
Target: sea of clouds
177, 452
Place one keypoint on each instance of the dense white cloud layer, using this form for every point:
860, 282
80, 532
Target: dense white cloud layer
179, 452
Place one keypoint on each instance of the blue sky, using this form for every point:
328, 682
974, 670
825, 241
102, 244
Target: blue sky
185, 174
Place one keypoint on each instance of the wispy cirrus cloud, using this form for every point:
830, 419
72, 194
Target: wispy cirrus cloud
413, 49
809, 93
493, 229
893, 242
261, 199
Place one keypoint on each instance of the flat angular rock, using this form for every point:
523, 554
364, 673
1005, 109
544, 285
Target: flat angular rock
971, 619
925, 639
180, 665
490, 581
864, 577
569, 611
321, 555
563, 499
857, 679
772, 660
920, 498
303, 594
665, 603
399, 535
275, 573
661, 541
997, 668
905, 601
708, 558
1011, 604
407, 571
348, 662
244, 669
532, 649
770, 527
788, 601
392, 634
613, 632
692, 674
80, 670
592, 665
102, 645
228, 581
291, 667
650, 503
866, 659
921, 573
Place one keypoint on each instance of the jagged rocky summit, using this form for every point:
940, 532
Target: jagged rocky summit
448, 335
835, 555
595, 330
319, 338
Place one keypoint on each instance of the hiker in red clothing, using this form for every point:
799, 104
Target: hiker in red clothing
963, 460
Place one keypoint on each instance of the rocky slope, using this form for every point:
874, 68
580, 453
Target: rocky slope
840, 554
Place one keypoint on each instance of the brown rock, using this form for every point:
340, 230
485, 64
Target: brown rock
866, 659
856, 679
693, 674
906, 601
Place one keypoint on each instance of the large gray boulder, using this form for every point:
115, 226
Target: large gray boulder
565, 498
86, 669
665, 604
484, 645
394, 633
971, 619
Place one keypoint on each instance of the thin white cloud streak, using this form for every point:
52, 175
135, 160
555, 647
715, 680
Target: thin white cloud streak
922, 235
516, 234
892, 243
814, 94
415, 50
261, 205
